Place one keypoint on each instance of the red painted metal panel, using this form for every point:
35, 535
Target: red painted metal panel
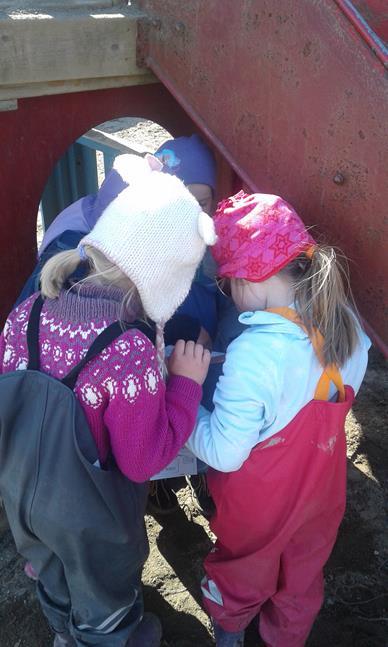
297, 101
35, 136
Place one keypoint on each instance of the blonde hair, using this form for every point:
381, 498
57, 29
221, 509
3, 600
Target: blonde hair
103, 272
323, 300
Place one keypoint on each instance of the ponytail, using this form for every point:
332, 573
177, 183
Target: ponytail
323, 300
56, 272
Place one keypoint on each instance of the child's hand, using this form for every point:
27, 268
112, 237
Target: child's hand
189, 360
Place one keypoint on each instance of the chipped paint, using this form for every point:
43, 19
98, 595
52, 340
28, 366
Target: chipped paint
275, 440
328, 446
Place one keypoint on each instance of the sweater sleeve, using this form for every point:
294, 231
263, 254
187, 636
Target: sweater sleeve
246, 399
4, 338
146, 434
2, 348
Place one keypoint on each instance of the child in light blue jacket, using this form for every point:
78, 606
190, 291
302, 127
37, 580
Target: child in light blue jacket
275, 440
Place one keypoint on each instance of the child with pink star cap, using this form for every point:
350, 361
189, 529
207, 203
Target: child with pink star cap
275, 441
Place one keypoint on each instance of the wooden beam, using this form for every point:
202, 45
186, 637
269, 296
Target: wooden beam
61, 52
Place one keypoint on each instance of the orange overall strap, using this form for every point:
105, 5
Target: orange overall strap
330, 372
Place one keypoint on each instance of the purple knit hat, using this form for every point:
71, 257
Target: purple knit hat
190, 159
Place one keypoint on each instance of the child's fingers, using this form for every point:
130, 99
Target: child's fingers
198, 351
206, 356
189, 349
179, 347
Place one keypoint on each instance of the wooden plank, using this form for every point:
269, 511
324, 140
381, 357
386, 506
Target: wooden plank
102, 141
47, 88
60, 47
36, 5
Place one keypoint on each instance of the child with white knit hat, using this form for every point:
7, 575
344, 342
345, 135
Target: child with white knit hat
141, 257
173, 236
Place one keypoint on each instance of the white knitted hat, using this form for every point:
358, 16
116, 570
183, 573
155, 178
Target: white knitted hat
156, 233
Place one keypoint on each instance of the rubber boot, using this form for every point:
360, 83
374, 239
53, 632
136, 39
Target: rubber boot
64, 640
227, 638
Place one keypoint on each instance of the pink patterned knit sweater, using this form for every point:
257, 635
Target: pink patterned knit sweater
130, 411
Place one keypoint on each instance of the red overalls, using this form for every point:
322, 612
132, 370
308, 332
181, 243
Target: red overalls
277, 519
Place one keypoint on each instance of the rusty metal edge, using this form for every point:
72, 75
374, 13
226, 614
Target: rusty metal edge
375, 43
199, 121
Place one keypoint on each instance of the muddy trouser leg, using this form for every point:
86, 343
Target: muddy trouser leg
54, 595
103, 575
287, 617
106, 595
89, 571
56, 605
235, 586
89, 588
285, 588
106, 606
88, 557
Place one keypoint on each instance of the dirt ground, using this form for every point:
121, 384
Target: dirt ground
355, 611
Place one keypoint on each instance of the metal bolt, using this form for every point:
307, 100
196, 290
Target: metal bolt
180, 27
338, 178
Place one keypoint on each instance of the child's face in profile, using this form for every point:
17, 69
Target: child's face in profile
275, 292
247, 296
204, 195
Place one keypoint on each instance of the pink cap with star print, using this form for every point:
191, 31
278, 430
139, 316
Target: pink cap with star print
258, 235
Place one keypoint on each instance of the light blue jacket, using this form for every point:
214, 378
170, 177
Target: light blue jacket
270, 373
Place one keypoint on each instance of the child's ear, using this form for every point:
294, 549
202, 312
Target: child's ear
206, 229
